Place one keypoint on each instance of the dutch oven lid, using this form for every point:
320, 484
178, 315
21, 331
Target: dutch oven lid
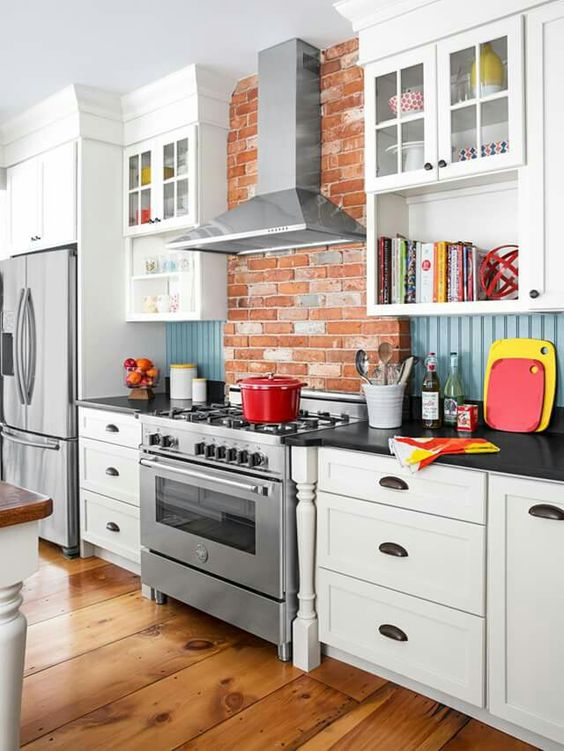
270, 381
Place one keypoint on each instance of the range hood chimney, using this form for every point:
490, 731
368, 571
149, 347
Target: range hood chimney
288, 210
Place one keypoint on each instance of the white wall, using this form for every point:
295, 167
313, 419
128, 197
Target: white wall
105, 339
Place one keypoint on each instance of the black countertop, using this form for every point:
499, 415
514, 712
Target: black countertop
528, 454
159, 403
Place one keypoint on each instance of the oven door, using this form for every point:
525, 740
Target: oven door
228, 524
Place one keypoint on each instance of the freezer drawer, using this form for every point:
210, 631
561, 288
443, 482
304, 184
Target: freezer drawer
47, 466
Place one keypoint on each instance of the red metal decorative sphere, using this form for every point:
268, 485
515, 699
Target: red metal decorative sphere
499, 272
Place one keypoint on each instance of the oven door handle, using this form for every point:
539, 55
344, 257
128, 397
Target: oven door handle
154, 464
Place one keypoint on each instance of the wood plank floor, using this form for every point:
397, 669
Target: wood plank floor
107, 669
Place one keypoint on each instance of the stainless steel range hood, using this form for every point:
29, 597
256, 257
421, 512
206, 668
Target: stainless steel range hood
288, 210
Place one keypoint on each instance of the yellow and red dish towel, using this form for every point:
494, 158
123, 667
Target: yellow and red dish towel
416, 453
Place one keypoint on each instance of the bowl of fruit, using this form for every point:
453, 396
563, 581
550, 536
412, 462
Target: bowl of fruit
140, 376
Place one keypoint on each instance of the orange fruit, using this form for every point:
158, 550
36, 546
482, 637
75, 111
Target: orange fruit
143, 363
134, 378
152, 373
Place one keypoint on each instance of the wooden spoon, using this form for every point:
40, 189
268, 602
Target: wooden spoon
385, 352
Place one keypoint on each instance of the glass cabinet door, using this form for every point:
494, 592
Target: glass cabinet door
480, 99
176, 164
400, 121
140, 188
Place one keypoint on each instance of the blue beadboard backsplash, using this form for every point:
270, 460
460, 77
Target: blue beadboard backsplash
471, 337
200, 342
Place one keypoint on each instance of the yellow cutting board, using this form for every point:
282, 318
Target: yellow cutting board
537, 349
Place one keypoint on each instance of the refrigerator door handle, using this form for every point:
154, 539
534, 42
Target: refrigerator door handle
18, 346
49, 445
31, 347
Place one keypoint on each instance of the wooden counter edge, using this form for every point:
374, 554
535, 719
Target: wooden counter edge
19, 506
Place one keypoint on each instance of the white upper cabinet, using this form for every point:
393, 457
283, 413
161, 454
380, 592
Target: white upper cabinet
526, 604
542, 180
42, 200
480, 100
161, 183
450, 109
401, 121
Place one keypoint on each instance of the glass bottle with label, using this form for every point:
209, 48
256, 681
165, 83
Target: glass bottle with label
431, 394
454, 392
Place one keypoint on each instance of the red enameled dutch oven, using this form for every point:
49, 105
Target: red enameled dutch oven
270, 398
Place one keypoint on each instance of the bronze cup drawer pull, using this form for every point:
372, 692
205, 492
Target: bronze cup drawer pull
112, 472
392, 632
394, 483
111, 428
112, 527
392, 548
546, 511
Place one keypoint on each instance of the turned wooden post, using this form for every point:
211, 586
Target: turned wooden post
306, 647
20, 512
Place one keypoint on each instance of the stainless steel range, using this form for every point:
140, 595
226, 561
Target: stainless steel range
218, 510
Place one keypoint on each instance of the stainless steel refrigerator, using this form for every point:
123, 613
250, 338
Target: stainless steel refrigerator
38, 366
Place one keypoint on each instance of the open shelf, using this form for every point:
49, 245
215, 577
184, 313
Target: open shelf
483, 213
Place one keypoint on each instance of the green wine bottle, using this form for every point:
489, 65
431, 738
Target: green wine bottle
454, 392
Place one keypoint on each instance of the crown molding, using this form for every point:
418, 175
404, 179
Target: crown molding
192, 81
365, 13
191, 94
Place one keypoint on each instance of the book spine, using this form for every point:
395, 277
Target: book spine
441, 272
411, 273
402, 270
381, 242
387, 271
417, 272
427, 272
459, 273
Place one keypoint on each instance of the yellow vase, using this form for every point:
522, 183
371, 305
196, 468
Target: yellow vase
492, 72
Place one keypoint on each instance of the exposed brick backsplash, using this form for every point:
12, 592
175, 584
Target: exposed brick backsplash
303, 312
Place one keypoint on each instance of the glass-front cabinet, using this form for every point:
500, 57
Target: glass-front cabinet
480, 99
401, 121
161, 176
446, 110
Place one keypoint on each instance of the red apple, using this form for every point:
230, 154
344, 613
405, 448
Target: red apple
130, 363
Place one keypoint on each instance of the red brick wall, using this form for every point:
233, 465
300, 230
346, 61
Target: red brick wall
303, 312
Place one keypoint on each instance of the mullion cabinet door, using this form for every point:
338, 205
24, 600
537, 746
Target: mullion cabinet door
139, 188
177, 178
400, 122
480, 99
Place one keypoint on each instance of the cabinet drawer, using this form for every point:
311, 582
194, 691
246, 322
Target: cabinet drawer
454, 493
111, 524
112, 427
110, 470
428, 556
432, 644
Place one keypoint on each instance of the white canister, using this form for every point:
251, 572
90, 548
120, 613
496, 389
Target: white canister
200, 390
182, 375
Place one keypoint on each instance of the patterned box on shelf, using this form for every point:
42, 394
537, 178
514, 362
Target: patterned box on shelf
488, 149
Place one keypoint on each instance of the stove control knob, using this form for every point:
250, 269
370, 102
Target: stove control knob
220, 453
242, 456
257, 459
154, 439
199, 448
231, 455
209, 451
169, 442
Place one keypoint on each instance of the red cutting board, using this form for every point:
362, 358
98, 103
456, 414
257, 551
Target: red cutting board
515, 394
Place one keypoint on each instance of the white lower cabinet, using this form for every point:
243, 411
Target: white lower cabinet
111, 525
435, 645
428, 556
526, 604
109, 483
